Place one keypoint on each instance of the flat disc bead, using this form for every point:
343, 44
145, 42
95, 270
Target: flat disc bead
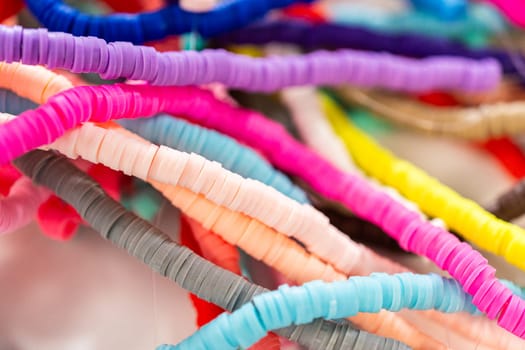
191, 171
206, 178
67, 144
127, 50
240, 222
128, 238
291, 220
515, 316
250, 327
453, 304
501, 297
251, 238
89, 141
300, 221
69, 111
168, 165
57, 45
216, 189
437, 289
12, 38
466, 264
92, 48
5, 70
243, 197
144, 160
491, 235
112, 149
385, 282
459, 249
317, 217
345, 293
301, 302
423, 242
442, 251
397, 294
477, 277
369, 294
330, 274
30, 83
162, 77
124, 98
276, 180
129, 157
182, 137
270, 308
211, 217
394, 220
189, 203
253, 191
80, 56
377, 205
268, 197
261, 206
291, 265
272, 216
411, 233
278, 245
245, 161
203, 137
515, 252
231, 187
259, 239
195, 136
482, 294
55, 85
346, 251
508, 234
232, 225
311, 238
34, 123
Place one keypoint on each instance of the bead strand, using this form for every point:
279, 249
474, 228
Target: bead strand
80, 54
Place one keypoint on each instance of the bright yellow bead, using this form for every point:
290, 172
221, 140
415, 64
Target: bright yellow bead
463, 215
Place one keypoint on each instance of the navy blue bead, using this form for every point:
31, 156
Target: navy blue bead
81, 25
153, 25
